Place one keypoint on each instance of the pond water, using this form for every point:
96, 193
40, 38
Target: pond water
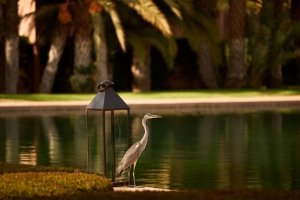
188, 151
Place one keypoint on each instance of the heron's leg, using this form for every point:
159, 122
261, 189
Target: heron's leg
129, 176
133, 173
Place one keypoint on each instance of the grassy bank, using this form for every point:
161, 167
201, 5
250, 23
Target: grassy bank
186, 94
19, 181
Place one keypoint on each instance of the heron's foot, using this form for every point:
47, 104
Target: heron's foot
134, 186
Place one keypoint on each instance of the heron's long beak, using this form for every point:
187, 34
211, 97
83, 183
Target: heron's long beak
156, 116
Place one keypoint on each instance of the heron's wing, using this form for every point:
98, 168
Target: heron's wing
131, 155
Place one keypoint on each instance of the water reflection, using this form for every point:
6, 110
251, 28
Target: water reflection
225, 151
12, 139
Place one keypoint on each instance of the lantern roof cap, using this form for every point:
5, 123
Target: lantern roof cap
107, 99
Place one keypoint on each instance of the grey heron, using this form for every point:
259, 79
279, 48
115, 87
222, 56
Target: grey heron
133, 153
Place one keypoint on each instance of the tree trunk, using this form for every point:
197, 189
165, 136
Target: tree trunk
207, 70
274, 79
141, 72
82, 81
2, 55
36, 68
11, 47
100, 49
236, 68
295, 13
56, 49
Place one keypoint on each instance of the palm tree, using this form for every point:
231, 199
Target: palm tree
190, 23
236, 70
101, 71
142, 42
203, 36
80, 10
295, 13
275, 74
83, 30
141, 37
58, 42
59, 23
11, 46
270, 45
83, 46
207, 70
2, 64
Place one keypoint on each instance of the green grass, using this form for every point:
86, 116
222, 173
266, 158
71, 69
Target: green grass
182, 94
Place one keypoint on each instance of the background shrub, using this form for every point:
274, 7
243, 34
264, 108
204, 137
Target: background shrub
31, 184
20, 180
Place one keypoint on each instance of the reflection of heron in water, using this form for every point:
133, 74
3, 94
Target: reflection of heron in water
133, 153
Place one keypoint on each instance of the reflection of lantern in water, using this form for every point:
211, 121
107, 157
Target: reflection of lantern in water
107, 100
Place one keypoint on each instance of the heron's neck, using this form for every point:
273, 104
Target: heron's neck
146, 134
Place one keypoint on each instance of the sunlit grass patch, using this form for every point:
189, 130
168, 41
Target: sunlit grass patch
19, 181
32, 184
179, 94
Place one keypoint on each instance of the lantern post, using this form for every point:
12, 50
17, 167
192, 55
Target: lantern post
107, 100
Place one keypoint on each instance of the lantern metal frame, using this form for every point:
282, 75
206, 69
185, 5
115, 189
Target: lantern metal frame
108, 100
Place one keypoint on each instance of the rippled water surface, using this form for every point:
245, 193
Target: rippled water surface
190, 151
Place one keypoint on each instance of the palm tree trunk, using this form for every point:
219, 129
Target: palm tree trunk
141, 72
2, 56
207, 70
236, 69
56, 49
275, 74
100, 48
83, 45
275, 77
295, 13
11, 47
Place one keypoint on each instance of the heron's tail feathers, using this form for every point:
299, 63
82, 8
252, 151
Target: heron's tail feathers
119, 171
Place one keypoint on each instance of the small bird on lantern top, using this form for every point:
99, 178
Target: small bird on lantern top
104, 85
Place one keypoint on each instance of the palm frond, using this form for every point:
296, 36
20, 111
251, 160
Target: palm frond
174, 6
270, 40
44, 11
186, 5
151, 13
109, 7
137, 46
166, 46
